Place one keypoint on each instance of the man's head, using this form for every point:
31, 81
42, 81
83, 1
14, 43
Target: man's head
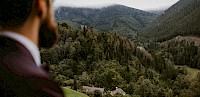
15, 13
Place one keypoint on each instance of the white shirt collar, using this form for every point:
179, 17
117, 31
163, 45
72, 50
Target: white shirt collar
32, 48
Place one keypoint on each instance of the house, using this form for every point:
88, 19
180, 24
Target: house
92, 89
117, 91
83, 27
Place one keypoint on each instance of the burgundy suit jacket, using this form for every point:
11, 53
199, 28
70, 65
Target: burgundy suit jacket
19, 74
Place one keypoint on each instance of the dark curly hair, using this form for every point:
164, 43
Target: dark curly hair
14, 12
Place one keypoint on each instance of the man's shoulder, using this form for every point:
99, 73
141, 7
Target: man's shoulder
20, 75
7, 45
11, 48
15, 58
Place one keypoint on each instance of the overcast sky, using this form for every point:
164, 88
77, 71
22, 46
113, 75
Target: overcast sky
139, 4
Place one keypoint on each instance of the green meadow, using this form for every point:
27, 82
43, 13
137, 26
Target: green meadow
71, 93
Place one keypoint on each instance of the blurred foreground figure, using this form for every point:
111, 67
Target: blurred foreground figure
26, 25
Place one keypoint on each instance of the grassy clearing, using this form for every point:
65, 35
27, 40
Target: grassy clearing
71, 93
192, 72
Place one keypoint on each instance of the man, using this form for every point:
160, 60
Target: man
26, 25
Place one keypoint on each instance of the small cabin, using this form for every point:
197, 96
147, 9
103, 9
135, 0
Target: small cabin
117, 91
92, 89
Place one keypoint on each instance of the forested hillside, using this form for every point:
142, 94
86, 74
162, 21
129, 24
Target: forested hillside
116, 18
181, 19
181, 50
107, 60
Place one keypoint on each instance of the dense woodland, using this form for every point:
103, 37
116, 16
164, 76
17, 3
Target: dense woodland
180, 19
107, 60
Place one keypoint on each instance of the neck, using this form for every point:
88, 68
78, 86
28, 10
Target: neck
29, 29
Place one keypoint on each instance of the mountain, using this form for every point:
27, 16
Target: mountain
180, 19
116, 18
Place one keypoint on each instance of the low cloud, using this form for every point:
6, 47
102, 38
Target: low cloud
139, 4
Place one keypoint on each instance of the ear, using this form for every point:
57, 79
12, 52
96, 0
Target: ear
41, 8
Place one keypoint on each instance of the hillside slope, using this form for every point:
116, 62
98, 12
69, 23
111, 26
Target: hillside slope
116, 18
189, 39
107, 60
181, 19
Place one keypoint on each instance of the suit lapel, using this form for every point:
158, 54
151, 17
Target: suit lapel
16, 45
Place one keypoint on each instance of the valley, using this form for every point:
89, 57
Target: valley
142, 53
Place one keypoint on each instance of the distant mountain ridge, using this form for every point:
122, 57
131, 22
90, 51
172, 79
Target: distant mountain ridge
116, 18
180, 19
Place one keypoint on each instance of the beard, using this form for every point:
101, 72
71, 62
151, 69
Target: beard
48, 35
